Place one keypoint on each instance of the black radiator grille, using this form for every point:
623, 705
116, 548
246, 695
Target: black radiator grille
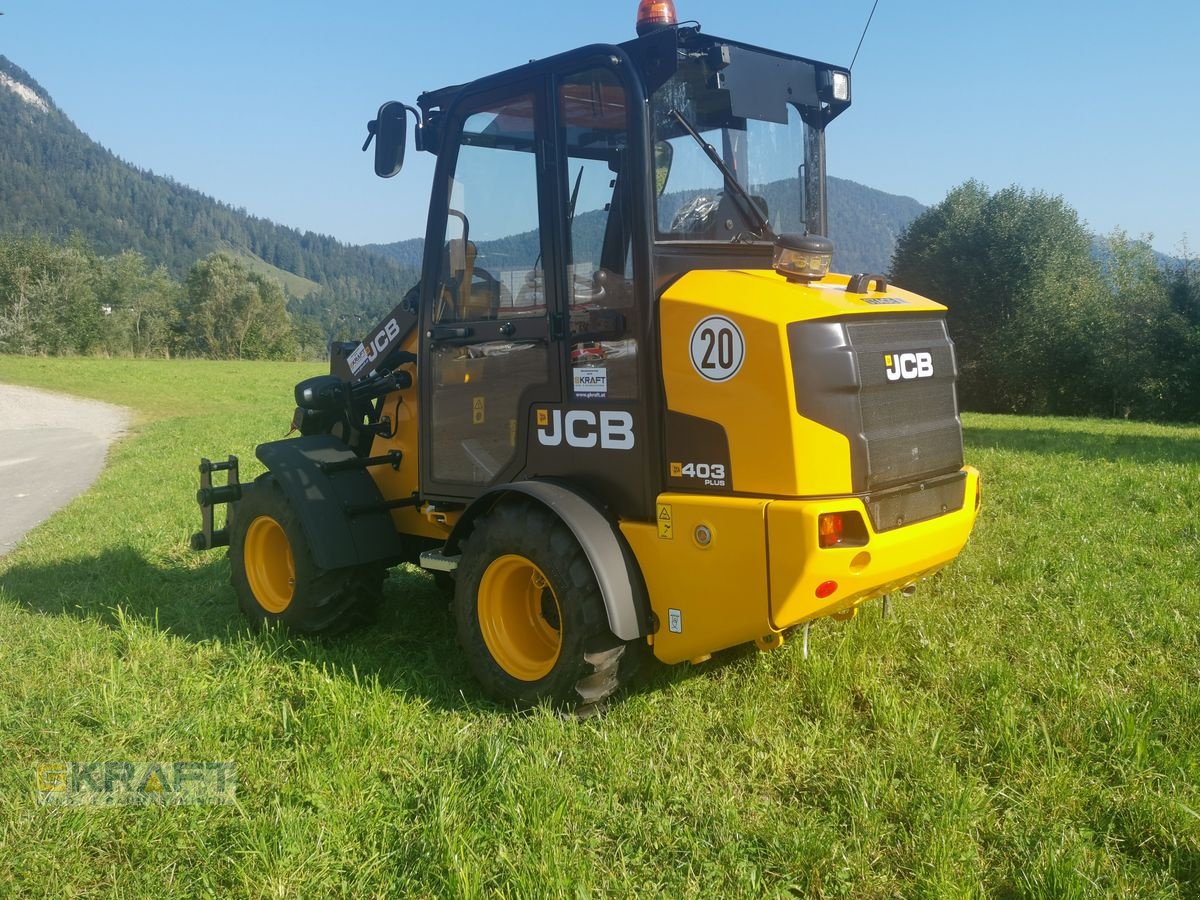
903, 429
911, 425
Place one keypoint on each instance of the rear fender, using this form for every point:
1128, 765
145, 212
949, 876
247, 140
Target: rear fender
625, 598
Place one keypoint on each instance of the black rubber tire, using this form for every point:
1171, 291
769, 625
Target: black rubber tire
323, 601
592, 664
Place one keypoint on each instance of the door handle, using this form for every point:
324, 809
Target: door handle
449, 332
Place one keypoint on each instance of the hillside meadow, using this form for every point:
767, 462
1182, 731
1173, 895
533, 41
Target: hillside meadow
1026, 725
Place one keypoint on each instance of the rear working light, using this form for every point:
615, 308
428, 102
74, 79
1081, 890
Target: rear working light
654, 14
803, 258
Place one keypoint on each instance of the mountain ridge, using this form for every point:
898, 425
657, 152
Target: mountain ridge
57, 181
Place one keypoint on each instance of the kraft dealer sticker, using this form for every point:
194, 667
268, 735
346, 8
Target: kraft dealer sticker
590, 382
717, 348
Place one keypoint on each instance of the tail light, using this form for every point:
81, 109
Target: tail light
842, 529
830, 528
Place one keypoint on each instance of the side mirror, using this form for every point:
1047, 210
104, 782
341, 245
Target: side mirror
664, 153
389, 128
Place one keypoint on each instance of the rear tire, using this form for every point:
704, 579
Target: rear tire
530, 615
273, 572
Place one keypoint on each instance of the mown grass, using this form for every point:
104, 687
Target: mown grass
1026, 727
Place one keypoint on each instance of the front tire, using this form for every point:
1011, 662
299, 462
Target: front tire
273, 572
530, 616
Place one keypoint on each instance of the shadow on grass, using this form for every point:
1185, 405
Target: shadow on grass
1110, 447
410, 648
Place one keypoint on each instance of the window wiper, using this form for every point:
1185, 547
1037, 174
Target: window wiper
764, 229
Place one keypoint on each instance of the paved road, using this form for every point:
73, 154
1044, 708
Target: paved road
51, 448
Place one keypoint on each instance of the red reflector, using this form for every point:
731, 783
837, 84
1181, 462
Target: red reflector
829, 527
825, 588
654, 14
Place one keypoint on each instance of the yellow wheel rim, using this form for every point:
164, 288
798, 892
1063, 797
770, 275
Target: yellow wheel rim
270, 567
520, 617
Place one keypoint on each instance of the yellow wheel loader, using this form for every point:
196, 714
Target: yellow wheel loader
627, 409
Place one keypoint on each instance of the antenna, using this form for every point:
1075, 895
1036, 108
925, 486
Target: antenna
864, 34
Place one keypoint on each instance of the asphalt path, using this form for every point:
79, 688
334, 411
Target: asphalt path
52, 447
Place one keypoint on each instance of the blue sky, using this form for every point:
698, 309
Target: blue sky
264, 104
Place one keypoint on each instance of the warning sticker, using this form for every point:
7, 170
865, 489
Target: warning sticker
675, 621
666, 527
477, 411
590, 382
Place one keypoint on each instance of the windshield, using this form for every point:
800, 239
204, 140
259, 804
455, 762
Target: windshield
766, 157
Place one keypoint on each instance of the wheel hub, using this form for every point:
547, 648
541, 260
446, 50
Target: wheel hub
520, 617
270, 566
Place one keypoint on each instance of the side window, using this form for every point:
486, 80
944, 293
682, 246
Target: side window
491, 278
491, 261
593, 115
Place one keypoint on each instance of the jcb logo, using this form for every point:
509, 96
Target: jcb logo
610, 430
908, 366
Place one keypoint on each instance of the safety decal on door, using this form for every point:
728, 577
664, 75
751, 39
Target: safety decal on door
717, 348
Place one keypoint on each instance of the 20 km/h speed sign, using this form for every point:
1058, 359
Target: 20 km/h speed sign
717, 348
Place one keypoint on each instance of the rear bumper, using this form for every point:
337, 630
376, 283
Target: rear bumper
722, 571
886, 562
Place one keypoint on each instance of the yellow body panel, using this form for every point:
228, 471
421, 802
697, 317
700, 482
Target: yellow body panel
759, 572
719, 590
401, 408
772, 450
889, 561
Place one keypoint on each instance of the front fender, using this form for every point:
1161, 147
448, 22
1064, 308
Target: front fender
341, 511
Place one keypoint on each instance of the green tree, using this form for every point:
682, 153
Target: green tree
141, 304
233, 313
48, 301
1015, 269
1157, 336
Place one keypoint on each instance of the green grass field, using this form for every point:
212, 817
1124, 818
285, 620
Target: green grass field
1027, 725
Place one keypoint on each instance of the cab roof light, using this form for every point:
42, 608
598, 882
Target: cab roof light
655, 14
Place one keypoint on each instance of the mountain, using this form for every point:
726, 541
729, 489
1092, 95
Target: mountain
863, 222
56, 181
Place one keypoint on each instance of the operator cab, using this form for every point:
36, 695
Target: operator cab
560, 213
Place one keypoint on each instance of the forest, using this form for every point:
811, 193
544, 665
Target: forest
1047, 319
68, 300
100, 257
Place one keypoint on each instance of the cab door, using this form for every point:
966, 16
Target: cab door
490, 352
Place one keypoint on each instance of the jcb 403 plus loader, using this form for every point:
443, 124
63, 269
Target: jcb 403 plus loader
626, 409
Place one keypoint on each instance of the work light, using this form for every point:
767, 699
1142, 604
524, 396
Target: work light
803, 257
